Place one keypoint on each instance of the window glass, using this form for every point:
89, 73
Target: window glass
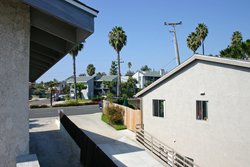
201, 110
158, 108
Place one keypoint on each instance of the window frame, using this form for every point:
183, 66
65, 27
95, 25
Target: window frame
202, 110
158, 115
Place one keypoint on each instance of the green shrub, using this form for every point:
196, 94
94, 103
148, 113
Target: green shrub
105, 118
119, 126
115, 115
39, 106
72, 103
110, 97
116, 126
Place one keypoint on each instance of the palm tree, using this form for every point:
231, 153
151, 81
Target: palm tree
193, 41
202, 32
118, 39
129, 66
74, 52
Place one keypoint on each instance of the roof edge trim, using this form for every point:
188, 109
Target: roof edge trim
83, 6
228, 61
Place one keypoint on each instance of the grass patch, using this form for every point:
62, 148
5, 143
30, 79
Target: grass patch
67, 103
84, 100
115, 126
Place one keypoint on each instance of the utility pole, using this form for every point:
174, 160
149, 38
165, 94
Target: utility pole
175, 39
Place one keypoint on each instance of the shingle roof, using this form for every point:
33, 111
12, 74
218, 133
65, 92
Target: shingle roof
233, 62
107, 78
79, 79
151, 73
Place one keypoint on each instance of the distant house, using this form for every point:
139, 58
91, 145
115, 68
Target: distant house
96, 85
100, 86
201, 109
60, 86
88, 81
145, 78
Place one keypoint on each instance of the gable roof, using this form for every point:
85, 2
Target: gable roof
227, 61
79, 79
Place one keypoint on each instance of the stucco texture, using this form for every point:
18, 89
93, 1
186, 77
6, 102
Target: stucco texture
221, 141
14, 75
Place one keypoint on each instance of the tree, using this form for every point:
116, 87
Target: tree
74, 52
129, 73
109, 85
246, 48
193, 41
118, 39
129, 87
80, 87
51, 87
66, 89
145, 68
237, 49
129, 66
202, 32
90, 69
101, 74
113, 68
236, 38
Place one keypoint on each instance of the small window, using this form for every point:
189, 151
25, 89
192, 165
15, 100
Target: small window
158, 108
201, 110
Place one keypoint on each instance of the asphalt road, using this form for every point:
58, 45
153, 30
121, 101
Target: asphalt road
53, 112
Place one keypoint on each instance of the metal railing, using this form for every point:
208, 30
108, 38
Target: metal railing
165, 153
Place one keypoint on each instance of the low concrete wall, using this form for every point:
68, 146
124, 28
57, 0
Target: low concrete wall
90, 154
131, 117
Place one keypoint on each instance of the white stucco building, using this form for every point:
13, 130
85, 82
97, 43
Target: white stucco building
145, 78
202, 110
34, 35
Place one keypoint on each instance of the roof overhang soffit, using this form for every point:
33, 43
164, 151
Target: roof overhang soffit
56, 26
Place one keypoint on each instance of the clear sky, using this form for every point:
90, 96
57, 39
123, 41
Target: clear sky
149, 42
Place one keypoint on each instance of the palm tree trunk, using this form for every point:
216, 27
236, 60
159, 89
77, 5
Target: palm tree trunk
119, 76
51, 96
74, 75
203, 47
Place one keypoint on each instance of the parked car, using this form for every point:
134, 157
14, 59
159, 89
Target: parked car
60, 98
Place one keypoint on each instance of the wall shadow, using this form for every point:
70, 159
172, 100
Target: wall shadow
52, 149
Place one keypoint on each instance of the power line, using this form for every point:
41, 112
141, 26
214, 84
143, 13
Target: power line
169, 62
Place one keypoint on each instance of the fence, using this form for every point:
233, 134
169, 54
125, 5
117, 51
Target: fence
131, 117
165, 153
91, 155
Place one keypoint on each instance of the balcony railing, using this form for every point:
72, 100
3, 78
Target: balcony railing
165, 153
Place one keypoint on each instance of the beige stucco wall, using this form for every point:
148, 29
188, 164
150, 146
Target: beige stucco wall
14, 72
221, 141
